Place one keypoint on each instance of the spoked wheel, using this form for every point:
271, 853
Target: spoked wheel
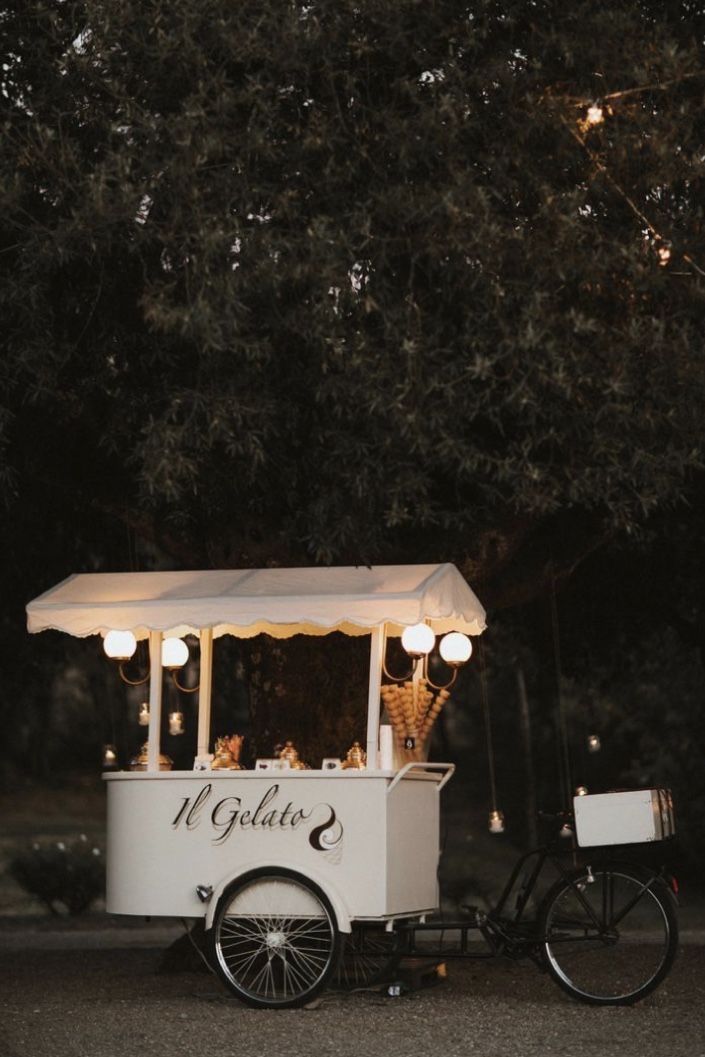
369, 956
609, 934
274, 938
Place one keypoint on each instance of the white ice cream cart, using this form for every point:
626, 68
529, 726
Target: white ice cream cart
279, 862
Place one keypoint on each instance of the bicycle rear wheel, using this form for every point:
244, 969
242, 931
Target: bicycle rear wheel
610, 934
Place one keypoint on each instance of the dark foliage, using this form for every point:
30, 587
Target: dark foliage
345, 282
335, 281
68, 875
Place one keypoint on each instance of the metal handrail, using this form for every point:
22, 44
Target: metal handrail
448, 768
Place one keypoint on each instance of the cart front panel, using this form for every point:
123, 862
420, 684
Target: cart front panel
170, 832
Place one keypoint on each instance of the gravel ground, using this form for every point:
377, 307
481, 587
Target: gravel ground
112, 1002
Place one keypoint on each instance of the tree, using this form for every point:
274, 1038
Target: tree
346, 280
349, 282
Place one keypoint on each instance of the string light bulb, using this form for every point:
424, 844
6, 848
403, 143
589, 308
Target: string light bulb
593, 743
593, 116
664, 255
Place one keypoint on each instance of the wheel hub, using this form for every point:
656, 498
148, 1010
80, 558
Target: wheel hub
275, 939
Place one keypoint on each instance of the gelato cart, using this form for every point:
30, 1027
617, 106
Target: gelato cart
279, 860
297, 872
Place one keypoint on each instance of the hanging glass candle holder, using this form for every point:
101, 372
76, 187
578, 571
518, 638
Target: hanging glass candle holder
176, 722
593, 743
109, 758
496, 821
143, 715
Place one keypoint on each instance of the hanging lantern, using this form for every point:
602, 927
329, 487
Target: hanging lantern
109, 758
593, 743
496, 822
176, 722
143, 715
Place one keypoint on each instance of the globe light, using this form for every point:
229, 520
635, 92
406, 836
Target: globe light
119, 645
455, 649
174, 653
418, 640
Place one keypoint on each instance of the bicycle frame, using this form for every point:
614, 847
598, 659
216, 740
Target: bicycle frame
506, 934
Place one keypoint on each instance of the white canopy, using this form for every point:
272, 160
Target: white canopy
245, 602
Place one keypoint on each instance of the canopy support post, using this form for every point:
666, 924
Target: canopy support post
155, 700
204, 694
373, 706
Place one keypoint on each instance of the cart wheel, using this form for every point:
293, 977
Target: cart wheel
370, 955
274, 938
610, 934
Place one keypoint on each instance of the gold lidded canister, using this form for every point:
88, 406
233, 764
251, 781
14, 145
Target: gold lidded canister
290, 753
356, 758
139, 762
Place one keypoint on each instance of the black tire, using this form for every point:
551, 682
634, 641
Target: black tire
369, 956
609, 933
274, 940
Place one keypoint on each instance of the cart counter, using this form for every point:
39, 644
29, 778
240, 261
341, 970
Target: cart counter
369, 839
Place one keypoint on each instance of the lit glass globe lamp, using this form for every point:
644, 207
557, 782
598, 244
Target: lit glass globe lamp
418, 640
119, 645
174, 653
455, 649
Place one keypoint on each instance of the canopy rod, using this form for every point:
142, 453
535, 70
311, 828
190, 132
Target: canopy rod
377, 639
204, 694
155, 700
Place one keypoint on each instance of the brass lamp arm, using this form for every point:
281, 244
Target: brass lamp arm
443, 686
398, 678
183, 689
126, 678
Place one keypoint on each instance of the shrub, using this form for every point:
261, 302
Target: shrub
69, 874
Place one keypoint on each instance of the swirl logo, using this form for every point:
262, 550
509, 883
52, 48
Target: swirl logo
328, 835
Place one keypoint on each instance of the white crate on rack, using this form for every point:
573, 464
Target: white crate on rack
631, 817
